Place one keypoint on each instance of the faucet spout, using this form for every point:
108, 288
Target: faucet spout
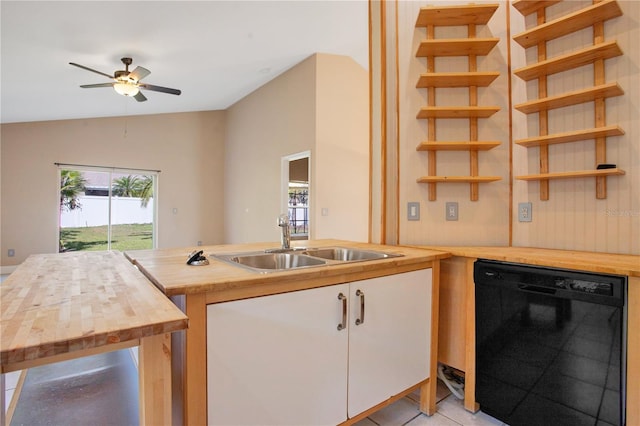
285, 238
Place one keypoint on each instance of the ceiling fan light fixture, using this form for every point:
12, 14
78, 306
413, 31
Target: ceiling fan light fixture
126, 89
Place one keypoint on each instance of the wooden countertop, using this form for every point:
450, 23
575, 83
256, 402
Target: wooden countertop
621, 264
60, 303
167, 269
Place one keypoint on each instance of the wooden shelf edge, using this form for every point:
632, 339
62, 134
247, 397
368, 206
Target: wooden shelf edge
527, 7
457, 145
458, 179
574, 174
598, 12
569, 61
478, 14
456, 79
571, 98
457, 112
456, 47
575, 136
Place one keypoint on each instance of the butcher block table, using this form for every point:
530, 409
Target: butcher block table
56, 307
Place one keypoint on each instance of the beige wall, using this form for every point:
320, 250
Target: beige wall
572, 218
188, 148
321, 106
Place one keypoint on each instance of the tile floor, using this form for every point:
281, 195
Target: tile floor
450, 412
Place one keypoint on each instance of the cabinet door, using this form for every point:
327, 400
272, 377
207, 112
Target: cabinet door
278, 360
390, 351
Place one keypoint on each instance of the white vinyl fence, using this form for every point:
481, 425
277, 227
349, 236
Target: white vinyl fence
95, 212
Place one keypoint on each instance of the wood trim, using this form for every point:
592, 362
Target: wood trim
195, 391
510, 118
370, 18
14, 398
470, 338
633, 351
396, 238
155, 379
383, 119
453, 314
428, 392
23, 365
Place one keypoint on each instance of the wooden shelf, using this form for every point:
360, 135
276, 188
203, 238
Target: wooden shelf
575, 174
571, 98
456, 79
456, 15
458, 179
602, 11
569, 61
457, 146
456, 47
566, 137
527, 7
457, 112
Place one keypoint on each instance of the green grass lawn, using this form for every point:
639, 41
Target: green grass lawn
123, 237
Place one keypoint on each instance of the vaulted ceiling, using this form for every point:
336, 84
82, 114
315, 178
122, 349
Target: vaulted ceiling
216, 52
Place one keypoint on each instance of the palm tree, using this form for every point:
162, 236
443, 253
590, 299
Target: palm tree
126, 186
72, 183
145, 190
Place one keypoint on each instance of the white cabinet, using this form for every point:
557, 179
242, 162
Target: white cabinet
390, 351
281, 360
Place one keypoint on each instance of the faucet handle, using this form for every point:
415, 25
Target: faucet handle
283, 220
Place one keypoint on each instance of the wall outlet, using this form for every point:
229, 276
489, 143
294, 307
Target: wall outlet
413, 211
451, 210
524, 212
11, 252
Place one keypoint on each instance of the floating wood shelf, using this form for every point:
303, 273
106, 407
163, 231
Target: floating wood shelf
456, 47
599, 12
457, 146
590, 16
458, 179
527, 7
571, 98
570, 61
575, 174
457, 112
456, 79
460, 15
478, 14
575, 136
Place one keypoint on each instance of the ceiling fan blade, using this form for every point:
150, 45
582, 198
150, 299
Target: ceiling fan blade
139, 73
90, 69
140, 97
159, 89
91, 86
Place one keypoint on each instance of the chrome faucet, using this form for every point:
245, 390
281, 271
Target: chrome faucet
283, 222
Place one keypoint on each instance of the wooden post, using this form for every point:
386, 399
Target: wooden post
155, 379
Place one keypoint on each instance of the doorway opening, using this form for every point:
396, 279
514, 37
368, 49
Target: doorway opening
106, 209
296, 193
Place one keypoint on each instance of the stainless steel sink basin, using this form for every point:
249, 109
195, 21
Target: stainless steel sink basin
266, 262
347, 254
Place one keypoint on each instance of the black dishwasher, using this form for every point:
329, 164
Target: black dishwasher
550, 345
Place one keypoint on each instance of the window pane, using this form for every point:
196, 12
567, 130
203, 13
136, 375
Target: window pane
131, 211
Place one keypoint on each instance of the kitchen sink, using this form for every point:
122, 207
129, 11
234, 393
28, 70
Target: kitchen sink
265, 262
347, 254
274, 260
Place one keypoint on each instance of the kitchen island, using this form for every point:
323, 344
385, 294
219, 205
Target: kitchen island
57, 307
197, 290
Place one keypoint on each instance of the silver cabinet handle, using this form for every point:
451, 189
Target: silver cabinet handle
360, 320
343, 324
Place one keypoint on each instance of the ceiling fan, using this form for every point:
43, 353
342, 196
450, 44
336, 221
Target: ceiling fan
127, 83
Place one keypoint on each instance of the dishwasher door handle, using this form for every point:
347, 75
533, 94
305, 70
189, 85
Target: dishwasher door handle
544, 290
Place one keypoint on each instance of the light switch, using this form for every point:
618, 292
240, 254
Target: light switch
413, 211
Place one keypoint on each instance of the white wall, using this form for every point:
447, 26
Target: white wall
188, 149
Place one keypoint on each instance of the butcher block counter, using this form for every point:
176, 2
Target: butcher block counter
57, 307
456, 345
192, 288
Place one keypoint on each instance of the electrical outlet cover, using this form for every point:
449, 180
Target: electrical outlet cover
524, 212
413, 211
451, 210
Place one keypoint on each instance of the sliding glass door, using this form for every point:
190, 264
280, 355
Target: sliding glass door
106, 209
